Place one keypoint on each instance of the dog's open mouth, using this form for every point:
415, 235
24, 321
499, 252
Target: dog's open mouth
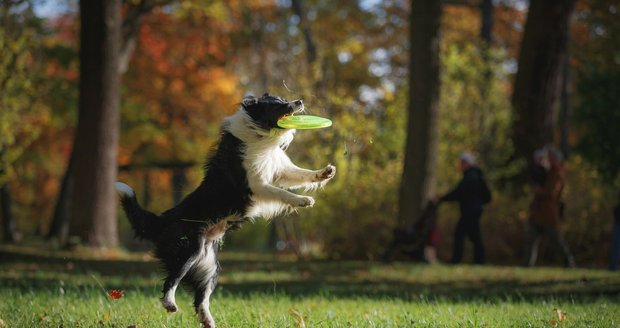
286, 115
296, 111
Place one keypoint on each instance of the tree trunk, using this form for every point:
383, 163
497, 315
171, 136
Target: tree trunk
564, 108
312, 56
486, 26
59, 228
8, 222
129, 29
311, 52
418, 181
537, 84
94, 200
130, 26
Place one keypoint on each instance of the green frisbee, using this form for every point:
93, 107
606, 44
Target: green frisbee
304, 122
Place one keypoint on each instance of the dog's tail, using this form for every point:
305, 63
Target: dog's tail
145, 224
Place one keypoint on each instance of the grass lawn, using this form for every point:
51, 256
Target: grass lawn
257, 290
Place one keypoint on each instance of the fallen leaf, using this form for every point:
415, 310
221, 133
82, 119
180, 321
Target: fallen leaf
561, 314
116, 294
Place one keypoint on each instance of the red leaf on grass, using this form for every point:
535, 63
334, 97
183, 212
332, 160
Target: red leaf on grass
116, 294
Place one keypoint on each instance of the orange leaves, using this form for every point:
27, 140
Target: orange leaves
115, 294
179, 85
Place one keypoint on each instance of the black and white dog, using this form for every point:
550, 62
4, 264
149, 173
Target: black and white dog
248, 175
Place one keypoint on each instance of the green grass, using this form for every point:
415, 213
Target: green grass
263, 291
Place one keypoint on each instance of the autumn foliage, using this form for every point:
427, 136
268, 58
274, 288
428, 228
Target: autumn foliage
195, 60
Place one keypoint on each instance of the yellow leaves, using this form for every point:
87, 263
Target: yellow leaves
198, 9
22, 114
354, 46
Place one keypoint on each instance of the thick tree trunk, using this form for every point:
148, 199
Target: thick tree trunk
8, 222
60, 222
537, 84
96, 141
418, 181
59, 228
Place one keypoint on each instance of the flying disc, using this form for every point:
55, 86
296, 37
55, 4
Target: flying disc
304, 122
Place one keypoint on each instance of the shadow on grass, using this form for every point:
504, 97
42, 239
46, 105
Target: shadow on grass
343, 279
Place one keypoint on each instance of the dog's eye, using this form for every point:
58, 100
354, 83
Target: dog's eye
249, 101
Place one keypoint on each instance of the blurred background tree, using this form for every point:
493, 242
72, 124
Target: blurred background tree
194, 60
419, 169
22, 111
544, 52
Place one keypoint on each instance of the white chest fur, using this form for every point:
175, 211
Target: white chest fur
263, 160
264, 163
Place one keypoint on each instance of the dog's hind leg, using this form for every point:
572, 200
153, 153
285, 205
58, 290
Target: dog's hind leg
174, 278
204, 279
202, 302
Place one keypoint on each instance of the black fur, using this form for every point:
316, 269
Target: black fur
223, 192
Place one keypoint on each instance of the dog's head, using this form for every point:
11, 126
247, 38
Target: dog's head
267, 110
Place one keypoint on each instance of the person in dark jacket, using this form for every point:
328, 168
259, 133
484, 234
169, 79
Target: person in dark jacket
469, 193
615, 250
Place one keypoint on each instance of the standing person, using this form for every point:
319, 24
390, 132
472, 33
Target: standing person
545, 211
538, 174
538, 171
615, 250
471, 193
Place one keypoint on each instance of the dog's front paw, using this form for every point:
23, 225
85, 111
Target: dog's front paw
304, 201
327, 173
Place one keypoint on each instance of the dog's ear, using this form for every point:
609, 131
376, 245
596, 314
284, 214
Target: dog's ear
266, 94
249, 101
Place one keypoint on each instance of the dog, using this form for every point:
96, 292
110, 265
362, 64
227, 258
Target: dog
248, 175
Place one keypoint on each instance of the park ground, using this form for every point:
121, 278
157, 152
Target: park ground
62, 289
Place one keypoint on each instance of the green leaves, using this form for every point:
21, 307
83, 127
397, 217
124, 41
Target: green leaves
597, 117
21, 111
